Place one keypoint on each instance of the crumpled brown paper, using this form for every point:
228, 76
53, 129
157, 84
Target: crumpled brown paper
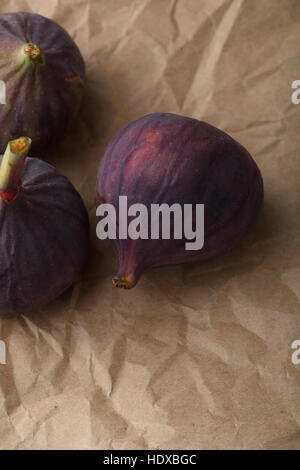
197, 356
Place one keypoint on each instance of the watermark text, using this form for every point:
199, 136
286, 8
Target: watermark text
2, 92
160, 222
2, 352
296, 94
296, 354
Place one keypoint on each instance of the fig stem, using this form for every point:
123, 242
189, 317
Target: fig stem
126, 282
12, 163
31, 53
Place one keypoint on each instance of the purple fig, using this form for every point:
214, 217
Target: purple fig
43, 73
44, 231
165, 158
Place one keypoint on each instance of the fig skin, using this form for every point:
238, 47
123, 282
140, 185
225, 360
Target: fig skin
44, 75
167, 158
44, 238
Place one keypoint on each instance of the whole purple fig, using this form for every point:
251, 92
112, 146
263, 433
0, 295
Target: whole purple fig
169, 159
43, 75
44, 231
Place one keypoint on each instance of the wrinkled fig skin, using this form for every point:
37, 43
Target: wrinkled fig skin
44, 239
41, 98
165, 158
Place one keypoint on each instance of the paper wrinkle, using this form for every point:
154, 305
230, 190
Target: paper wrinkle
205, 81
196, 356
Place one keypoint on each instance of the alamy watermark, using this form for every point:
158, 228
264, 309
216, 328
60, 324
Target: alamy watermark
2, 353
162, 221
295, 97
296, 354
2, 92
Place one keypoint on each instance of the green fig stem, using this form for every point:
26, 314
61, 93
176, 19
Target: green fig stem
32, 54
12, 163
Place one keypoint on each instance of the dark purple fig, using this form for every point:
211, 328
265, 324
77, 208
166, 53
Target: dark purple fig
165, 158
44, 231
44, 75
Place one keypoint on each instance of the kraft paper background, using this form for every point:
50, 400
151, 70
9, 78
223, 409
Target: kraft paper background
197, 356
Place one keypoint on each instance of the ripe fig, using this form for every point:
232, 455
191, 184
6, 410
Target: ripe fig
43, 73
171, 159
44, 231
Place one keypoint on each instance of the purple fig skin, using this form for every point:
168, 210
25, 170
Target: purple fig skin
44, 239
43, 91
166, 158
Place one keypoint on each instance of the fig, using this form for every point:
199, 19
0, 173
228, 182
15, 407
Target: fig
44, 231
171, 159
44, 75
